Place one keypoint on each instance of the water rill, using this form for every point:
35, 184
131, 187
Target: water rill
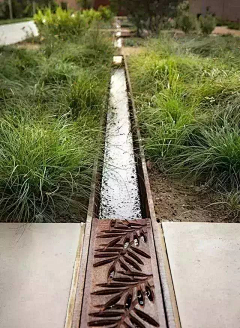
119, 193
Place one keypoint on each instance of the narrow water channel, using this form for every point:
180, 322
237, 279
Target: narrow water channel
119, 193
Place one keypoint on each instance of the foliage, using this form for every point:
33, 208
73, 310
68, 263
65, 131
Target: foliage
207, 24
17, 7
42, 166
233, 25
188, 95
148, 13
229, 24
47, 151
185, 20
115, 6
106, 13
85, 4
225, 48
23, 8
183, 7
86, 94
67, 22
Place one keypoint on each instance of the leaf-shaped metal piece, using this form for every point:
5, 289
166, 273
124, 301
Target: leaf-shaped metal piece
102, 255
106, 314
112, 285
146, 317
132, 263
100, 263
106, 292
112, 301
140, 252
101, 323
113, 307
109, 250
124, 265
135, 257
111, 235
115, 232
123, 278
135, 273
136, 322
113, 242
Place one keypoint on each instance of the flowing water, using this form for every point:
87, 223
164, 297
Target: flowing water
119, 193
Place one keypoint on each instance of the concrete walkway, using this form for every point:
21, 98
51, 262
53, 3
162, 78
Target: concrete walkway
37, 269
14, 33
36, 272
205, 265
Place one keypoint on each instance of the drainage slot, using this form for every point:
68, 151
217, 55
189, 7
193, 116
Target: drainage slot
119, 193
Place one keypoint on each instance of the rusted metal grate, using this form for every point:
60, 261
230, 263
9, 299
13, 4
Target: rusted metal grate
122, 284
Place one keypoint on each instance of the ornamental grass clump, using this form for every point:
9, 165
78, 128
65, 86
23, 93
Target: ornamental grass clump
52, 101
188, 107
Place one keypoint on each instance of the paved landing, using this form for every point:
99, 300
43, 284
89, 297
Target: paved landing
36, 268
13, 33
205, 264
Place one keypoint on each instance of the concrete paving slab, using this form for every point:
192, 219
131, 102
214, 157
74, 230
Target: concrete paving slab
205, 265
13, 33
36, 269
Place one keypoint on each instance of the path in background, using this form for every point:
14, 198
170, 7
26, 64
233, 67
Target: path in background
224, 30
14, 33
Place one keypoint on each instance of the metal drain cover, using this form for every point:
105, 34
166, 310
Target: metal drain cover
122, 286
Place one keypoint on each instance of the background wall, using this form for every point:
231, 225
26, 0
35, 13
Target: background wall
98, 3
225, 9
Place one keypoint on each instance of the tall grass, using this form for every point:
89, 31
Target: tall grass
43, 167
188, 96
51, 103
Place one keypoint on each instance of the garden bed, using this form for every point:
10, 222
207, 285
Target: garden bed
52, 99
187, 93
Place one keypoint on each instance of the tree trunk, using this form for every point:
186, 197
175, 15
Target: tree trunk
34, 7
10, 9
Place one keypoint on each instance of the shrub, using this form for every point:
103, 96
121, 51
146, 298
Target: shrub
234, 25
187, 22
67, 22
207, 24
106, 13
147, 14
90, 16
61, 22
